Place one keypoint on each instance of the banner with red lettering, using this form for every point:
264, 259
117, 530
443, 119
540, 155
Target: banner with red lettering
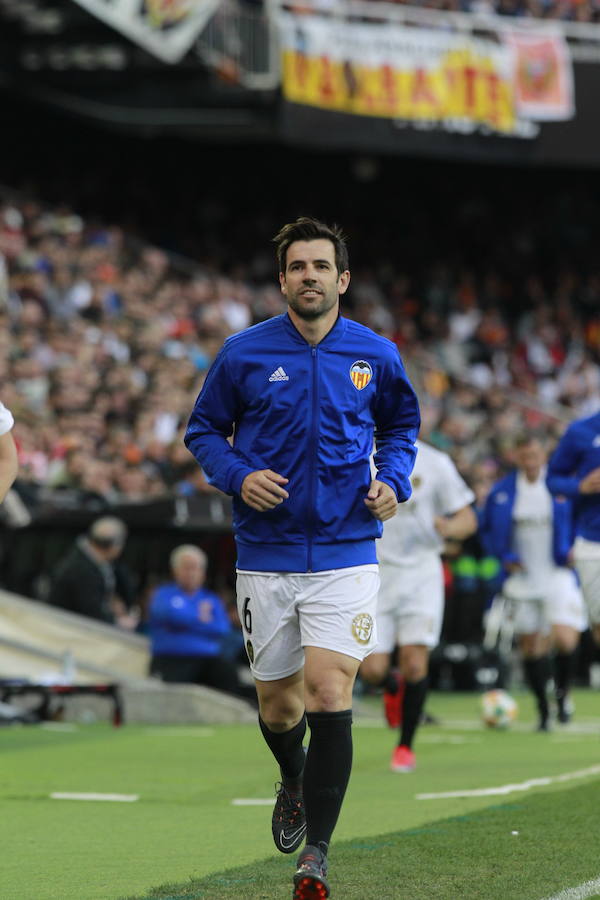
422, 77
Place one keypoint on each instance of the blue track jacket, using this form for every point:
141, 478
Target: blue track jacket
309, 414
181, 624
577, 453
496, 526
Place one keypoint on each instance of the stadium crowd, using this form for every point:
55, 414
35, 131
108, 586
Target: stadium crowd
106, 339
562, 10
490, 290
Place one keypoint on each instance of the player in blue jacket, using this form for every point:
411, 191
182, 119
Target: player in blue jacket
574, 471
531, 534
304, 394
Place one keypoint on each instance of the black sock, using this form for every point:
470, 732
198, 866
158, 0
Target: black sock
564, 664
286, 747
412, 707
326, 773
390, 684
537, 673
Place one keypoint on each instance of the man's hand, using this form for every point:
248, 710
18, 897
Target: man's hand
263, 490
591, 483
381, 501
9, 465
443, 526
129, 619
460, 525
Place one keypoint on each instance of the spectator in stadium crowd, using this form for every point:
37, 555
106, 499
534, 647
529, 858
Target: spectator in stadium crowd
530, 532
492, 349
410, 605
574, 472
101, 391
188, 626
9, 466
92, 581
306, 515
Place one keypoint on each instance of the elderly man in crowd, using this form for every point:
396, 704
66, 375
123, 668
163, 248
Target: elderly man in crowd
188, 625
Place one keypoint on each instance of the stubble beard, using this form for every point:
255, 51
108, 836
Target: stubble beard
315, 311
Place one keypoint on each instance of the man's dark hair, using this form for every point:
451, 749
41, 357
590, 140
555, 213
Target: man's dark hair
306, 228
524, 439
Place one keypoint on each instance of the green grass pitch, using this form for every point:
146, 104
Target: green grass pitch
184, 838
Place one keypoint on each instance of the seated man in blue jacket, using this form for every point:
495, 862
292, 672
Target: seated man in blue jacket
187, 625
531, 534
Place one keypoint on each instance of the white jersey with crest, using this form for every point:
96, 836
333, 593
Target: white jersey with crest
6, 419
437, 490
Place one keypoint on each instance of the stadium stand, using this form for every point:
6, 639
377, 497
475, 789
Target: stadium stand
110, 338
113, 302
107, 340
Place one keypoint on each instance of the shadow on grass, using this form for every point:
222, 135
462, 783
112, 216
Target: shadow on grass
525, 850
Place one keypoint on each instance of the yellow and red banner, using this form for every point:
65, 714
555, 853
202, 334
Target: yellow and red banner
421, 76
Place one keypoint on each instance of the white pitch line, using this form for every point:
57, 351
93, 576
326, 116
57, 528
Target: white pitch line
58, 726
587, 889
512, 788
114, 798
447, 739
253, 801
199, 732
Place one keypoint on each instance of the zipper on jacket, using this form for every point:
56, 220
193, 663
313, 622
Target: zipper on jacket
313, 446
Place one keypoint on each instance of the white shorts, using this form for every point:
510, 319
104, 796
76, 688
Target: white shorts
558, 602
410, 609
281, 613
587, 562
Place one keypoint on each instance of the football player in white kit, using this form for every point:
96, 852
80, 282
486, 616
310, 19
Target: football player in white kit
8, 452
531, 533
410, 605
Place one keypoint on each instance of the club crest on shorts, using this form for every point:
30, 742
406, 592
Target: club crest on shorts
362, 628
361, 374
250, 651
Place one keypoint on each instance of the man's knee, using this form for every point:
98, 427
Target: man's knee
328, 696
280, 720
565, 639
280, 704
374, 668
414, 662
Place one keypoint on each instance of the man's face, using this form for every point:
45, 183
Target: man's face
311, 283
189, 573
114, 551
530, 458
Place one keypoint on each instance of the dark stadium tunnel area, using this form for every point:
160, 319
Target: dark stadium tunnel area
223, 201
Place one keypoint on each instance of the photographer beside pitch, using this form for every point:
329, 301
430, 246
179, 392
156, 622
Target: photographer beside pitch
304, 394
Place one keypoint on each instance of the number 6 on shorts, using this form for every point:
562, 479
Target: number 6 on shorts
247, 615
